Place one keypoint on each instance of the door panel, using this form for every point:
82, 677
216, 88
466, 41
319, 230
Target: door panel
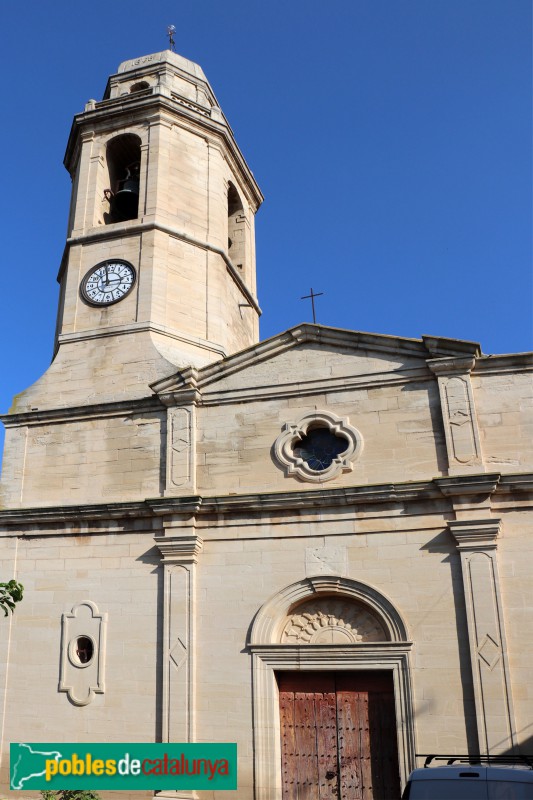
338, 736
326, 736
353, 744
381, 719
288, 747
306, 745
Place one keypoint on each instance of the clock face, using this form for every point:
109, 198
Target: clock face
108, 282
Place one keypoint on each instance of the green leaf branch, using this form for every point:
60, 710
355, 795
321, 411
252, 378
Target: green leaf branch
10, 594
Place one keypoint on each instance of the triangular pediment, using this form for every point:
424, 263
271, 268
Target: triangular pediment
308, 355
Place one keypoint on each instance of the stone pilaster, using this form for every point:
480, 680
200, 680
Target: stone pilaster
477, 543
470, 495
458, 414
82, 205
156, 197
179, 555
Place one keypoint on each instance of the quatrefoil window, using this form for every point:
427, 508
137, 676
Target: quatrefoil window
318, 447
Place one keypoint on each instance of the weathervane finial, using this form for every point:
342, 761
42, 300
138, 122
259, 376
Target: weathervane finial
171, 30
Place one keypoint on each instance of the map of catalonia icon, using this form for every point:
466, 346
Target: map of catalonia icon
28, 762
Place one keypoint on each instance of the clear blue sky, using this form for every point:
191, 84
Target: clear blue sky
391, 138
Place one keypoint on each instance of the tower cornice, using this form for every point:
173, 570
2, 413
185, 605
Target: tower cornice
129, 229
103, 115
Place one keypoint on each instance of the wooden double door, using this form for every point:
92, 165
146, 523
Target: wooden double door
338, 736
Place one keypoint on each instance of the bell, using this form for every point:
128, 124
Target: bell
125, 202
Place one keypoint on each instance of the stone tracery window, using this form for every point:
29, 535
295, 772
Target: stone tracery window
318, 447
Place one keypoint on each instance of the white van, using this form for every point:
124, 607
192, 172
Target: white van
471, 782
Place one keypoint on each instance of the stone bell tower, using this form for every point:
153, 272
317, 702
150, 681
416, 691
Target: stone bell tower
158, 271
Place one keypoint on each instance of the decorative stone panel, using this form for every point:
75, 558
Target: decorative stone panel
325, 560
179, 450
82, 653
458, 413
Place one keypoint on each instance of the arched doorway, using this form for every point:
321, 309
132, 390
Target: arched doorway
338, 735
332, 697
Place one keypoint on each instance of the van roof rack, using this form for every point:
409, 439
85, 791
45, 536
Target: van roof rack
477, 758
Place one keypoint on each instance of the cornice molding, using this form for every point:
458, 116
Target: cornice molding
515, 482
451, 366
474, 534
322, 656
75, 413
181, 397
77, 515
183, 381
441, 346
300, 499
304, 500
501, 364
141, 327
460, 485
179, 549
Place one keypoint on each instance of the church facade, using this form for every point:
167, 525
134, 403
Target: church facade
317, 546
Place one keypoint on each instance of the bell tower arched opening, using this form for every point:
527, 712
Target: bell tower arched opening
236, 229
140, 86
123, 157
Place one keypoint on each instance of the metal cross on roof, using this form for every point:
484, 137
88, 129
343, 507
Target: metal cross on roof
312, 298
171, 30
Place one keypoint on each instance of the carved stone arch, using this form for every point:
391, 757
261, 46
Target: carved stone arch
272, 652
271, 619
136, 132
